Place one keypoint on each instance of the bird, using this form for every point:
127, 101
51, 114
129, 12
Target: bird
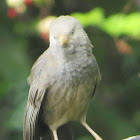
62, 81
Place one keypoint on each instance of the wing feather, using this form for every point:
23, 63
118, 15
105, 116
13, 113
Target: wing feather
35, 99
31, 114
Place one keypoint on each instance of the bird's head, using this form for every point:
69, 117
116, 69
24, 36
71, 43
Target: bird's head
67, 32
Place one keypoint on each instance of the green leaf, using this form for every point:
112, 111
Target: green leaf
93, 17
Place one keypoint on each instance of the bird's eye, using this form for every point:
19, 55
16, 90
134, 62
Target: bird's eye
72, 32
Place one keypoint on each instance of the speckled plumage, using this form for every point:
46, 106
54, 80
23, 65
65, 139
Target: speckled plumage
62, 80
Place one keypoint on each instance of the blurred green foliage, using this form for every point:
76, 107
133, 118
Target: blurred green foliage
93, 17
115, 25
122, 24
114, 111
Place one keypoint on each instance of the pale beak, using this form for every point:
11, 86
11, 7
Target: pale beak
63, 40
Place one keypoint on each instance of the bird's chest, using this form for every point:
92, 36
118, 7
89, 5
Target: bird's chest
74, 85
70, 93
71, 79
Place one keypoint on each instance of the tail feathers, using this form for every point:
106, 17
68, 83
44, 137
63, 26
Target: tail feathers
65, 132
30, 122
31, 115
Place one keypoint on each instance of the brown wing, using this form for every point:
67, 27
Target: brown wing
32, 112
96, 84
35, 98
94, 90
97, 76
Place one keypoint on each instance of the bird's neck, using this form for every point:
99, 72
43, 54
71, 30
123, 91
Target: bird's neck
78, 56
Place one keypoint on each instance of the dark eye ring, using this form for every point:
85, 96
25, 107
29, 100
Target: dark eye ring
72, 32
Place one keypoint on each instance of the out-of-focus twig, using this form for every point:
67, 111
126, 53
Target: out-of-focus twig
121, 44
127, 6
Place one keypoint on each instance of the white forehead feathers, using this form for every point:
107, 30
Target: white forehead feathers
65, 22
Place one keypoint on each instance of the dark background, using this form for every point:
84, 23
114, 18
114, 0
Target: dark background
114, 112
